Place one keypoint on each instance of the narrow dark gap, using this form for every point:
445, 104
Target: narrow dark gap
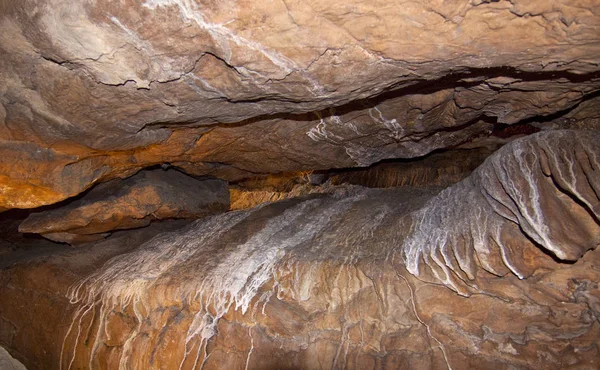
460, 79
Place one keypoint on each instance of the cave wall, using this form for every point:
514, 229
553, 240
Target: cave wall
368, 279
317, 184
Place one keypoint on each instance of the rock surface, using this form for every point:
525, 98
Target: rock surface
438, 169
338, 282
289, 101
131, 203
91, 92
538, 194
7, 362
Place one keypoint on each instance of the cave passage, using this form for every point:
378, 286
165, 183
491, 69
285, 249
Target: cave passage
304, 185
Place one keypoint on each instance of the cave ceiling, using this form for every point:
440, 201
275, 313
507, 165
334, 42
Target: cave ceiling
93, 91
286, 184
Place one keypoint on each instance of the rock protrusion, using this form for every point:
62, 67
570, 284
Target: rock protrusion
538, 194
130, 203
314, 282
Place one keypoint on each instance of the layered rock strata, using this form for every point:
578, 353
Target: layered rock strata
131, 203
340, 282
438, 169
98, 90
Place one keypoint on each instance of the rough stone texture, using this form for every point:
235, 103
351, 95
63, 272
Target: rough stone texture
131, 203
7, 362
540, 193
338, 282
438, 169
15, 245
97, 90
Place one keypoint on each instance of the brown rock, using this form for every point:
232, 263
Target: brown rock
131, 203
324, 282
97, 91
500, 217
438, 169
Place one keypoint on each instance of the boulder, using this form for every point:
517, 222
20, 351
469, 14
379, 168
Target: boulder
7, 362
131, 203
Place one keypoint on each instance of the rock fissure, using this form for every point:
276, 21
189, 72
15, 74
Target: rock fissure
190, 184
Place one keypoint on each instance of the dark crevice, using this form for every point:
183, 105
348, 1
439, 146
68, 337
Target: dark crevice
559, 114
471, 77
463, 79
505, 131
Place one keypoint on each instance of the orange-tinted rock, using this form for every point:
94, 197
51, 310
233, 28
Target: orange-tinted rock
131, 203
330, 282
97, 91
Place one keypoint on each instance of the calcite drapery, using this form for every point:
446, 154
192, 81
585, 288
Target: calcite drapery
94, 91
540, 192
320, 281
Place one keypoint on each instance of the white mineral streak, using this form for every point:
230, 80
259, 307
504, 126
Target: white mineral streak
525, 198
320, 133
190, 11
216, 277
127, 279
396, 130
455, 232
519, 170
579, 178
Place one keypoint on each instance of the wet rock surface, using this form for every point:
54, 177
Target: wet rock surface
134, 202
340, 281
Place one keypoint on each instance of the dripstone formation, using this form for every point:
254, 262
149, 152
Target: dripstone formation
187, 184
340, 281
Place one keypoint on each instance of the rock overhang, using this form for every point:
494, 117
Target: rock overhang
97, 91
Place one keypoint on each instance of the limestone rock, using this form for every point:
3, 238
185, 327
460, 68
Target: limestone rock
7, 362
330, 282
131, 203
539, 192
97, 90
436, 170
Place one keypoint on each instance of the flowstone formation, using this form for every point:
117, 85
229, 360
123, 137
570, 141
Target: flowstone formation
535, 195
341, 281
344, 184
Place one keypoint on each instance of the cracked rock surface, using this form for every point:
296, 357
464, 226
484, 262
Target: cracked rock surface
285, 184
97, 90
338, 281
